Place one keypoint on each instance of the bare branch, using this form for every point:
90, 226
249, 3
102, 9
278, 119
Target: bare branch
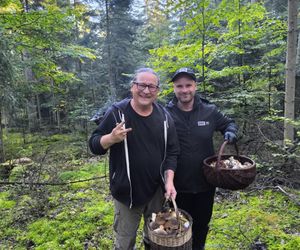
49, 183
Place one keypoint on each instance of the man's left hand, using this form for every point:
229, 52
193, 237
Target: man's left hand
230, 137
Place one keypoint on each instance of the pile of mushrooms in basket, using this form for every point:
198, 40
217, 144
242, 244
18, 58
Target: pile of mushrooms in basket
169, 222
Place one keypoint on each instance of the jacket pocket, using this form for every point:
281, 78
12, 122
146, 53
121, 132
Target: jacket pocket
119, 183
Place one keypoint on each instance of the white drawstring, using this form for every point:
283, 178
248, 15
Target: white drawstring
127, 161
165, 151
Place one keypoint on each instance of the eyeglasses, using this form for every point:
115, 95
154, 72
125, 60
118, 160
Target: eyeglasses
141, 86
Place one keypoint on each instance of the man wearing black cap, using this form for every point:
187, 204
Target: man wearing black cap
196, 120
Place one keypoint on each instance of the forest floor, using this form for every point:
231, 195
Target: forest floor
61, 200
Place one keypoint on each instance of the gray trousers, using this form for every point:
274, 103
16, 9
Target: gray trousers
127, 221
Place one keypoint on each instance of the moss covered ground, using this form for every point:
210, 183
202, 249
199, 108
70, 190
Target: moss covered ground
75, 211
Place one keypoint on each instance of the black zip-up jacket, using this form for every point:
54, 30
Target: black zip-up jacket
195, 133
148, 156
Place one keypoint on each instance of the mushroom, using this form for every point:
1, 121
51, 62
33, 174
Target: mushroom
160, 230
159, 219
153, 225
171, 224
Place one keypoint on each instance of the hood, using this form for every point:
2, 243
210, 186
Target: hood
121, 105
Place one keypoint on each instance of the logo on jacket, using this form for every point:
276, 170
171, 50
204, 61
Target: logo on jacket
203, 123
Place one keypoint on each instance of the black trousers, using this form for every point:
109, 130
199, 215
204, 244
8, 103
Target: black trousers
199, 206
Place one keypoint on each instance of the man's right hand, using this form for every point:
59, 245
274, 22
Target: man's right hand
117, 135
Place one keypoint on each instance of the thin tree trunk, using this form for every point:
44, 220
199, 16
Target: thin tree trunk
39, 110
108, 42
53, 102
297, 92
58, 119
24, 113
270, 89
2, 149
29, 77
240, 56
203, 47
289, 110
29, 115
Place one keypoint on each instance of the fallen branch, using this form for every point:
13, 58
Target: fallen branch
290, 196
48, 183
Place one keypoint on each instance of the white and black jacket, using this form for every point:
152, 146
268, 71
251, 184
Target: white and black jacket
152, 148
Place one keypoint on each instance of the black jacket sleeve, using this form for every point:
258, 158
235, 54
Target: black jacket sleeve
224, 123
105, 127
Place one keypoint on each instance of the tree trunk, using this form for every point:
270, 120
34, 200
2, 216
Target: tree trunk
240, 56
203, 48
53, 103
289, 110
29, 77
297, 92
31, 114
58, 120
108, 43
39, 110
2, 149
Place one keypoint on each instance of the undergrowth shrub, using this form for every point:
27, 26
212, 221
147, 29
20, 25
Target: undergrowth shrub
266, 220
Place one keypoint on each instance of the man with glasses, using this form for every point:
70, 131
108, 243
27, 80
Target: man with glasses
196, 120
143, 147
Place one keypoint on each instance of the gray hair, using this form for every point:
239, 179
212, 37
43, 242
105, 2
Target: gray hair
142, 70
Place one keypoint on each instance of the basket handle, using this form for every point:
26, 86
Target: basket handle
218, 165
174, 206
177, 212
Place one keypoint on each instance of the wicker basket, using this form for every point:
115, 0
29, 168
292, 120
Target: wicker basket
182, 241
232, 179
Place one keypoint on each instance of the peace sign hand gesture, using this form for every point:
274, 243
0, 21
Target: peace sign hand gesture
117, 135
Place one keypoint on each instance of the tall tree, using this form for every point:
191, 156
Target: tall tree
6, 88
289, 110
297, 90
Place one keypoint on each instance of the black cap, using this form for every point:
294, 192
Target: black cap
184, 71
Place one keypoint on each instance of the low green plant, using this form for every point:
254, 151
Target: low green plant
267, 219
74, 225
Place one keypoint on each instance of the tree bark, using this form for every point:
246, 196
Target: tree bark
2, 149
203, 48
29, 77
53, 102
39, 110
31, 114
109, 56
289, 110
297, 92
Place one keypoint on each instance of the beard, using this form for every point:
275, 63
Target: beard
187, 98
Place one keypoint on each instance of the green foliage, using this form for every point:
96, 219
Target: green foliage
15, 147
20, 145
17, 173
84, 214
268, 219
39, 54
232, 45
5, 202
